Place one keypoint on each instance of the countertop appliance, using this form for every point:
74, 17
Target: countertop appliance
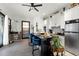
72, 36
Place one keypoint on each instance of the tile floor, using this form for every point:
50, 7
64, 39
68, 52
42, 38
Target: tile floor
68, 54
21, 48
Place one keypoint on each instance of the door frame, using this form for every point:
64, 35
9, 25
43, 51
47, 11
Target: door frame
22, 28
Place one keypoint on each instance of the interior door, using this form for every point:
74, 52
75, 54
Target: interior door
1, 28
25, 29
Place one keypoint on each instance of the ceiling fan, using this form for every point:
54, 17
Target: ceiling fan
33, 6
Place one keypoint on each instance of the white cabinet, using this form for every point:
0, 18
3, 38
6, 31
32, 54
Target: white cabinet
72, 13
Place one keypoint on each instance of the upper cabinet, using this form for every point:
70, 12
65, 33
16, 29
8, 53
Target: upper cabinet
72, 13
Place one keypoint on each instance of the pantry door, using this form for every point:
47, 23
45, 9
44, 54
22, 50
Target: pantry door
25, 29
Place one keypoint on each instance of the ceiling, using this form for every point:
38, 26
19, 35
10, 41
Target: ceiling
16, 10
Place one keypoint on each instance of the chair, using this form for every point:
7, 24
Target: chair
36, 43
30, 37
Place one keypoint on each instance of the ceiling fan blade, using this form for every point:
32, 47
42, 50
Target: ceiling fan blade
36, 9
38, 5
30, 9
25, 5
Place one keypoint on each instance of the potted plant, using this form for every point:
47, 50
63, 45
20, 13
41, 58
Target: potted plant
55, 42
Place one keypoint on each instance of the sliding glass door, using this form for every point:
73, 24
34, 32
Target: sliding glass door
1, 28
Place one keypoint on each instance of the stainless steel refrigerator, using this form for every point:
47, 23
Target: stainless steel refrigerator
72, 36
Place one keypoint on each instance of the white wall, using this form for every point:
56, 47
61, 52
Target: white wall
40, 22
56, 20
16, 25
59, 20
5, 11
33, 20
